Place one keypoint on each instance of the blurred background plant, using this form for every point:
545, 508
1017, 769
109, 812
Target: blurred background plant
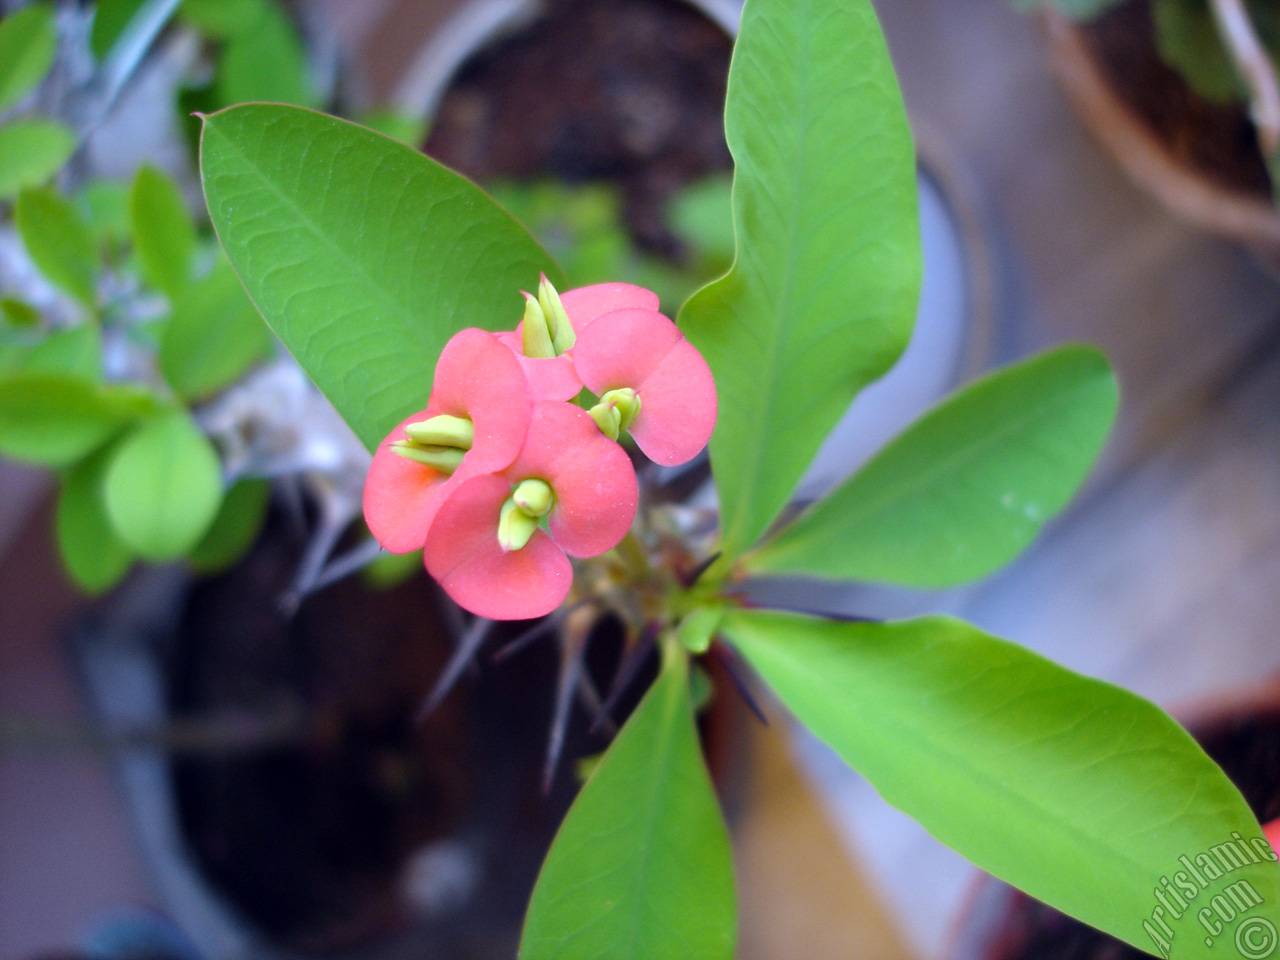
131, 361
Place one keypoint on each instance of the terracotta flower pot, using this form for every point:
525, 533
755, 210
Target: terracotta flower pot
1201, 160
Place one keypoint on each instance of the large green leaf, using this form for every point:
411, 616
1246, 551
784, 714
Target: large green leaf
641, 868
56, 418
77, 351
163, 487
213, 336
163, 235
93, 554
59, 242
363, 255
1080, 793
28, 41
964, 489
822, 296
32, 151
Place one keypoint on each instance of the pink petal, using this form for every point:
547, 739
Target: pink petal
585, 304
646, 352
550, 378
677, 407
400, 496
463, 555
479, 378
592, 477
621, 348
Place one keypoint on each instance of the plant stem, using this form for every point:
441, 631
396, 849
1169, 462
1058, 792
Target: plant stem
1255, 66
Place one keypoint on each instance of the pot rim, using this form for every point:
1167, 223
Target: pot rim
1141, 154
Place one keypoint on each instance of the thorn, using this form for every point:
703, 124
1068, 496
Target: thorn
462, 656
691, 578
566, 685
733, 668
591, 697
627, 672
540, 629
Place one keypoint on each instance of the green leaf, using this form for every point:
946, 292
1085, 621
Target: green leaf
59, 242
19, 313
163, 234
77, 351
105, 206
56, 418
964, 489
641, 867
32, 151
223, 18
234, 529
28, 41
822, 296
1188, 41
94, 556
1078, 792
110, 18
363, 255
213, 336
163, 487
265, 62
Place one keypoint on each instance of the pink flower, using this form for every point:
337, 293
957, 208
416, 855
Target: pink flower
486, 546
633, 354
554, 377
478, 381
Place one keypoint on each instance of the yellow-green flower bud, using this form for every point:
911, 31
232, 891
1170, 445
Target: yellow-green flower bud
627, 402
562, 336
442, 431
607, 418
535, 498
515, 527
536, 335
444, 459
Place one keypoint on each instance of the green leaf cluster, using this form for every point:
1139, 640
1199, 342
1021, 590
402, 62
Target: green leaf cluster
32, 149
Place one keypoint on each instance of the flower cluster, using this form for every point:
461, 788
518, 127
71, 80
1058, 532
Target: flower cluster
506, 474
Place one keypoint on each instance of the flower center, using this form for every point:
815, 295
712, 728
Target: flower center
440, 442
616, 411
524, 509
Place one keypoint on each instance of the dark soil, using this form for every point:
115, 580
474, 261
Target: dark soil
629, 91
1214, 139
308, 841
1247, 747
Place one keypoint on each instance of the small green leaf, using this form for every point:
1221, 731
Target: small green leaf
265, 62
702, 215
391, 569
105, 207
223, 18
234, 529
28, 41
1078, 792
32, 151
364, 256
964, 489
641, 867
19, 313
77, 351
213, 336
59, 242
408, 130
94, 556
163, 487
110, 18
56, 419
822, 296
1188, 41
163, 234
